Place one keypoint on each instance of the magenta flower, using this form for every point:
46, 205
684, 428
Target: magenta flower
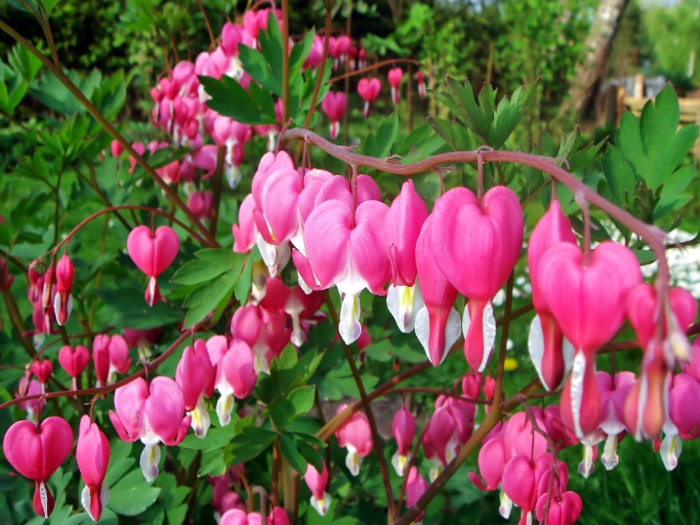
437, 325
74, 361
395, 75
587, 295
335, 105
550, 353
415, 488
477, 243
317, 483
195, 376
63, 301
152, 252
403, 428
344, 249
92, 456
36, 451
152, 413
356, 436
368, 88
402, 226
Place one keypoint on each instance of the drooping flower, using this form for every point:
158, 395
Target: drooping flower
395, 75
368, 90
152, 413
403, 428
437, 324
92, 455
63, 301
317, 483
550, 353
587, 295
356, 436
477, 243
74, 361
195, 376
335, 105
36, 451
152, 252
402, 226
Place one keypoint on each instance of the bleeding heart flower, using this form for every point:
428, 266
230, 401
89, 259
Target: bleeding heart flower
550, 353
403, 428
36, 452
92, 456
63, 301
344, 249
356, 436
152, 413
74, 361
394, 76
317, 483
415, 488
195, 376
368, 90
402, 226
152, 252
477, 243
437, 324
335, 105
587, 294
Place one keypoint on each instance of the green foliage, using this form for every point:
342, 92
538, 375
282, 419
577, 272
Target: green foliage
491, 124
672, 32
212, 279
644, 168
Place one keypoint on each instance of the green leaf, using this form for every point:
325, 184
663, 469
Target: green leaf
251, 442
51, 92
204, 299
310, 454
243, 284
509, 113
281, 411
230, 99
20, 5
379, 144
132, 494
256, 65
49, 5
271, 46
208, 264
653, 144
299, 53
302, 399
213, 463
216, 439
619, 174
288, 447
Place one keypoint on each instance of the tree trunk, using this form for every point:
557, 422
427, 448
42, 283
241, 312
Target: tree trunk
592, 64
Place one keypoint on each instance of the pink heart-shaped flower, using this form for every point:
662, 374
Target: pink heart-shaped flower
587, 296
152, 251
369, 88
477, 243
34, 452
